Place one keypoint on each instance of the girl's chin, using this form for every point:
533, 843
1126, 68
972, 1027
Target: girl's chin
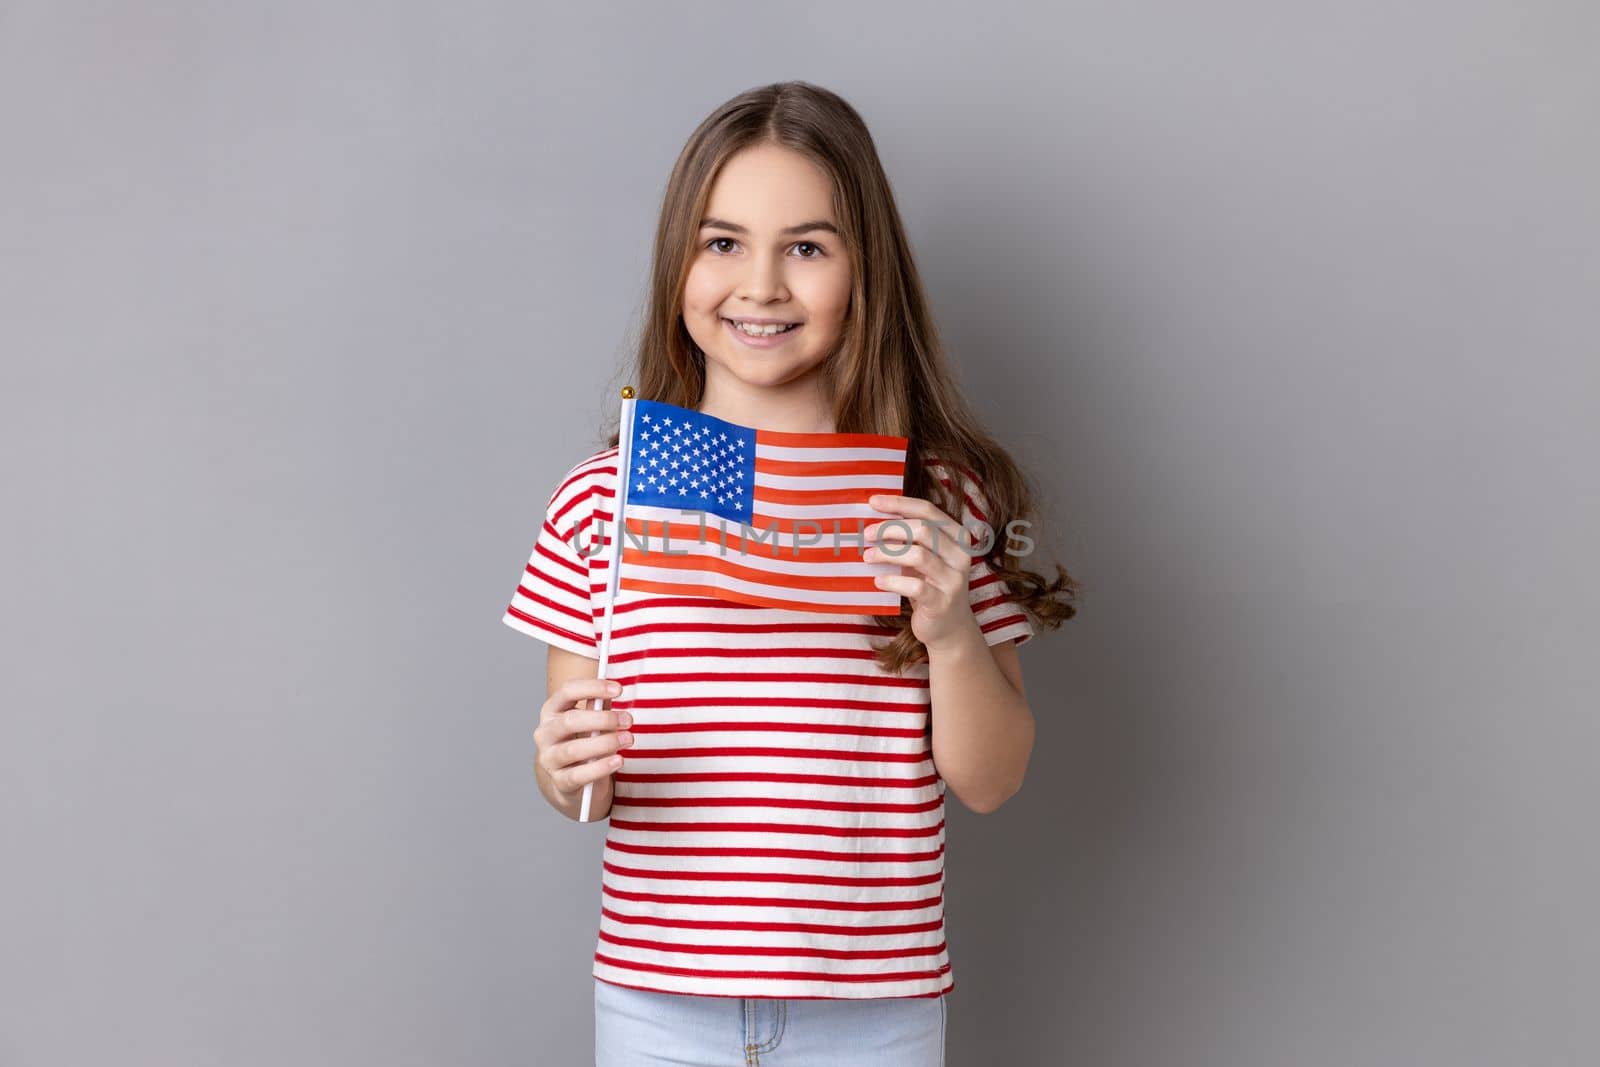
764, 369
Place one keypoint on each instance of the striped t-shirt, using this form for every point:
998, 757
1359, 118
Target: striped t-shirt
777, 826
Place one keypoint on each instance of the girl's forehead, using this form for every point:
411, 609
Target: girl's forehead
767, 185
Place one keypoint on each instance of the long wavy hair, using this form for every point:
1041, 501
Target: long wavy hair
889, 374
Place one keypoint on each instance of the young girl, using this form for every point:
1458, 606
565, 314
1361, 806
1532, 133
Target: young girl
773, 876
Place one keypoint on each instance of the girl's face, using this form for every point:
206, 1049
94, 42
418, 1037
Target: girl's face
768, 249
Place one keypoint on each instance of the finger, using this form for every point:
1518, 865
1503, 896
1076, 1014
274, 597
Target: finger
946, 537
574, 691
590, 687
907, 506
920, 552
904, 584
916, 511
584, 721
579, 750
937, 567
571, 779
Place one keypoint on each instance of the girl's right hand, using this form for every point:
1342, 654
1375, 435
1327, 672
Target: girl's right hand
569, 757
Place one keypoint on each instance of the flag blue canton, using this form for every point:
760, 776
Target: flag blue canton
684, 459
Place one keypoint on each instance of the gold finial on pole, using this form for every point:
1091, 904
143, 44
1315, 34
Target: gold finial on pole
627, 392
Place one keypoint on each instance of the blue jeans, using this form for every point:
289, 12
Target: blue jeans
636, 1027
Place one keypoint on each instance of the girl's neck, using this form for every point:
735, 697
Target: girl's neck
798, 407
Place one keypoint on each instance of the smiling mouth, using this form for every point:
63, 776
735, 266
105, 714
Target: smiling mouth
762, 330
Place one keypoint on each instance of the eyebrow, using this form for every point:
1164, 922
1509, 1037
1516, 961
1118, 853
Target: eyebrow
788, 231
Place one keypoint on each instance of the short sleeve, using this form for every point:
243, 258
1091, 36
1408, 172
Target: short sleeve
552, 600
999, 618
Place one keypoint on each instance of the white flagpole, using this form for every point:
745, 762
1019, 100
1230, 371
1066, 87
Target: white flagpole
614, 571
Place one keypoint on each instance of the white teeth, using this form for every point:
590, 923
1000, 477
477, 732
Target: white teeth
762, 331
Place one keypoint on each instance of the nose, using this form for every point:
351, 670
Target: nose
763, 281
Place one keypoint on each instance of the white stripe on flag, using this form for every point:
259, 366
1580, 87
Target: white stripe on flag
827, 455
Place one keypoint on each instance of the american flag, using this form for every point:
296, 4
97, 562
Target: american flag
754, 516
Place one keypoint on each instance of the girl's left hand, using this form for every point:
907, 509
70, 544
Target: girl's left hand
934, 580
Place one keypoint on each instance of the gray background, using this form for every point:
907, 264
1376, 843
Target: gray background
1291, 309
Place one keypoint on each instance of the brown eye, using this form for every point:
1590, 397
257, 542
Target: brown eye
717, 240
808, 244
